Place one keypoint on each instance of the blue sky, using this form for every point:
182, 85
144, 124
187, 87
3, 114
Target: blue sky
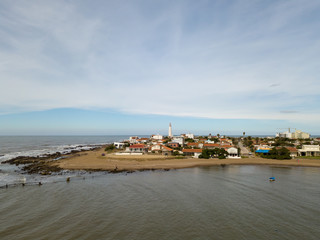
131, 67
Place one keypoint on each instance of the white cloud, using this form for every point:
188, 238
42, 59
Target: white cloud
181, 59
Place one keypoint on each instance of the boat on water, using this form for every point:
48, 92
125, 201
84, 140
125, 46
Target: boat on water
272, 179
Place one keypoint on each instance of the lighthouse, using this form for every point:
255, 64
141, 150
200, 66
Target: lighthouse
170, 130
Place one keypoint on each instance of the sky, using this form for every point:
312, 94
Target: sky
133, 66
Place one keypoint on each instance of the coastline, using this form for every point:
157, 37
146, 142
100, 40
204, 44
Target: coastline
94, 161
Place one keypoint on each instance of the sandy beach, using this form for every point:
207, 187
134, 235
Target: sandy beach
93, 160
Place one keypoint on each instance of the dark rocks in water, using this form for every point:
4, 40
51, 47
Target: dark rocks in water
68, 179
42, 167
40, 183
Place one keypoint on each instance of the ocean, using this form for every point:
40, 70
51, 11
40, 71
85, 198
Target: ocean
15, 146
231, 202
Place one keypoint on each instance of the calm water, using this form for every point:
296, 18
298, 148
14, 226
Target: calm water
235, 202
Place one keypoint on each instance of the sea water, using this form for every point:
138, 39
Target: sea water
232, 202
32, 146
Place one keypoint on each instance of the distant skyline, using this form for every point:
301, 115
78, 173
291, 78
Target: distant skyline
131, 67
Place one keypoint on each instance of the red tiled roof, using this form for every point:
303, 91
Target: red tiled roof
167, 148
192, 144
138, 146
291, 149
211, 145
192, 150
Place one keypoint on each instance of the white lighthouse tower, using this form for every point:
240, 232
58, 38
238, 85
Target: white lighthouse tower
170, 130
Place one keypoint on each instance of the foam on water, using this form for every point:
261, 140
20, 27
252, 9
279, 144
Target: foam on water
64, 149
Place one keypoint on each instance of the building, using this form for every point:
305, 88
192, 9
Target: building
156, 147
178, 139
194, 145
143, 140
170, 130
119, 145
166, 150
192, 152
133, 139
293, 151
138, 148
309, 150
233, 152
300, 135
211, 145
173, 144
157, 137
190, 135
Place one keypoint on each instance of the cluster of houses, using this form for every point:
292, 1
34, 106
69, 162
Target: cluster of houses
185, 144
262, 146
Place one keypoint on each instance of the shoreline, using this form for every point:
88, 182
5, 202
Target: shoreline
98, 159
94, 161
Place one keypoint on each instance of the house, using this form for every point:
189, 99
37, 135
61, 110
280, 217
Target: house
192, 152
119, 145
156, 148
293, 151
166, 150
190, 135
133, 139
309, 150
195, 145
157, 137
138, 148
211, 145
233, 152
173, 144
178, 139
142, 140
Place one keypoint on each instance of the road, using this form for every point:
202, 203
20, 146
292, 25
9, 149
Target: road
244, 150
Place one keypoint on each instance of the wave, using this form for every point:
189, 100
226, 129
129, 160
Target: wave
63, 149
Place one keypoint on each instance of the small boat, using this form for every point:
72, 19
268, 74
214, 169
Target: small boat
272, 179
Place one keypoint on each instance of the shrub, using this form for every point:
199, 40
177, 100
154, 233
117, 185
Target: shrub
110, 147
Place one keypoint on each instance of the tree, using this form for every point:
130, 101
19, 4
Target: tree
216, 152
278, 153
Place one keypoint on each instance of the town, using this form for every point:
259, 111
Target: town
285, 145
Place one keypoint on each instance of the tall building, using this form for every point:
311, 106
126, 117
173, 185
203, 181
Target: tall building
170, 130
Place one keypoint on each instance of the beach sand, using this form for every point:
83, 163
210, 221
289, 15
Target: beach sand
93, 160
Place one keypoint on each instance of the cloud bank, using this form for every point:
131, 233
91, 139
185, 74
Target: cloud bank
235, 60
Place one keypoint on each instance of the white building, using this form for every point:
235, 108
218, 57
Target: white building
119, 145
298, 134
133, 139
190, 135
178, 139
233, 152
309, 150
286, 134
157, 137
